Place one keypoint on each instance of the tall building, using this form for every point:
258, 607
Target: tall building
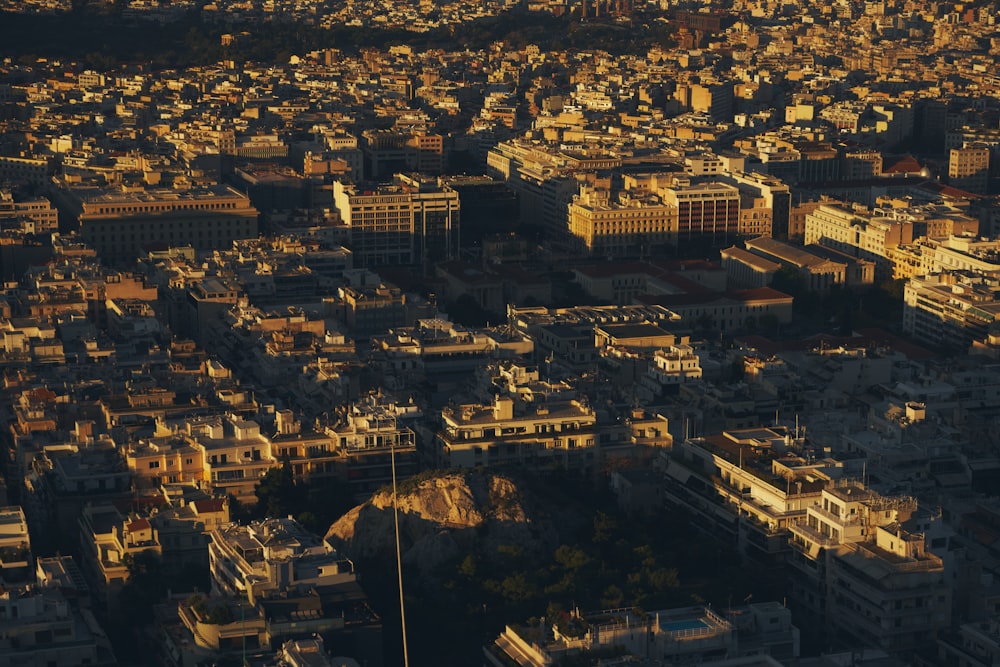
387, 152
773, 192
546, 179
969, 167
705, 210
410, 220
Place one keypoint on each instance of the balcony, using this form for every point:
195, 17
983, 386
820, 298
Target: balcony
853, 519
813, 537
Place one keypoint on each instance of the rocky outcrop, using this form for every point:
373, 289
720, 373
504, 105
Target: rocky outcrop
444, 516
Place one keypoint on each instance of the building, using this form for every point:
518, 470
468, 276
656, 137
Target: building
273, 582
688, 635
15, 546
34, 216
119, 223
630, 226
856, 568
558, 431
371, 309
747, 270
264, 558
107, 541
415, 219
732, 309
706, 210
227, 454
546, 179
969, 168
44, 623
746, 485
435, 347
864, 236
951, 309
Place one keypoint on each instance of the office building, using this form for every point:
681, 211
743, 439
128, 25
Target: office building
119, 223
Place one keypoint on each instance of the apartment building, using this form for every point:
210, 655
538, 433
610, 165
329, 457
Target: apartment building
855, 566
371, 438
35, 216
969, 168
24, 169
750, 485
42, 623
755, 634
16, 562
227, 454
965, 252
263, 558
438, 347
951, 309
560, 431
107, 540
673, 365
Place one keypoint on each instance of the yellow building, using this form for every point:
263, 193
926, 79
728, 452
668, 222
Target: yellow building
865, 236
969, 167
620, 228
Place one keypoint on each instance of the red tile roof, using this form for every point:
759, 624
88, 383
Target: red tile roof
209, 506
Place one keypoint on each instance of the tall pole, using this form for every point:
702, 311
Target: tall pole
399, 559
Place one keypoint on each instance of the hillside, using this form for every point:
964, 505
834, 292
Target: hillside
444, 517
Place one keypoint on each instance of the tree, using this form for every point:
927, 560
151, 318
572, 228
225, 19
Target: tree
788, 280
277, 493
604, 528
147, 585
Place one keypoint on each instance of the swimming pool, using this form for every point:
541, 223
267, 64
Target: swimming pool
684, 624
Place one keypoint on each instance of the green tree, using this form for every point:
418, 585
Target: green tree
277, 493
518, 589
571, 558
613, 597
788, 280
467, 568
